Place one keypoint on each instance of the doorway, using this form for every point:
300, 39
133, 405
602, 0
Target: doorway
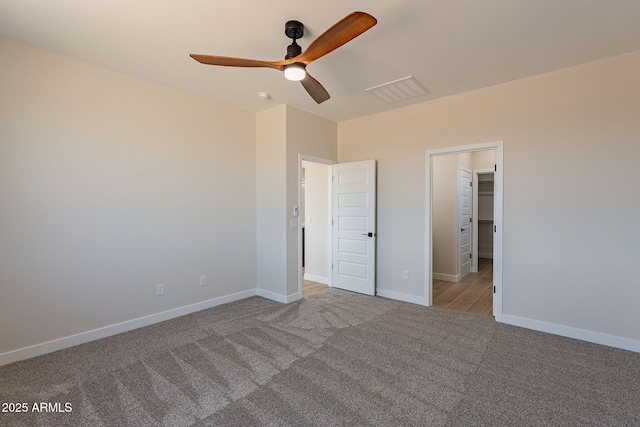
483, 205
315, 226
462, 156
351, 222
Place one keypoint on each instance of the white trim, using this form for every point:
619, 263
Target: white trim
118, 328
314, 278
571, 332
314, 159
465, 148
497, 218
475, 250
399, 296
284, 299
498, 207
447, 277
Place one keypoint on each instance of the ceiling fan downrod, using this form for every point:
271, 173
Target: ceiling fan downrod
294, 30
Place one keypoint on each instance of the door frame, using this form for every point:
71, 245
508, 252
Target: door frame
474, 259
497, 218
328, 162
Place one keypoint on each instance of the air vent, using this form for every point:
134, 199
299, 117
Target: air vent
399, 90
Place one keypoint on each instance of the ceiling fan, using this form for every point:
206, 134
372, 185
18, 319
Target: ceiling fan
295, 62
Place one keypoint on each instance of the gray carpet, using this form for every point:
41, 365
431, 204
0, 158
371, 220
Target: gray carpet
334, 358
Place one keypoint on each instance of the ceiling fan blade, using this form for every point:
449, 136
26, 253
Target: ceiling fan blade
236, 62
315, 89
343, 31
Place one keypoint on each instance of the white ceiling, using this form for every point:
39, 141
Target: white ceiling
450, 46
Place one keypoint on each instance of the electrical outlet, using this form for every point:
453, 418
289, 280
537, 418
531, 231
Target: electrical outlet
203, 280
405, 274
160, 289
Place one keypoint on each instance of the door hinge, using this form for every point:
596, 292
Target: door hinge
333, 178
495, 229
495, 168
470, 219
471, 184
470, 256
494, 289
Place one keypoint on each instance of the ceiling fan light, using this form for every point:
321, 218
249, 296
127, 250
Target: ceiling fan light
295, 72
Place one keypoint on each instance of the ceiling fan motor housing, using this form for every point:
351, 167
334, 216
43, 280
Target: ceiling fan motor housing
293, 50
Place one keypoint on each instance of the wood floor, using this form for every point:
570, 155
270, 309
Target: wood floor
473, 294
309, 287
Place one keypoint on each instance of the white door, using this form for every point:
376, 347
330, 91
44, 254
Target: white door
464, 215
354, 226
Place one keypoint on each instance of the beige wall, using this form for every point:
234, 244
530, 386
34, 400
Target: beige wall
571, 146
483, 159
271, 175
283, 133
110, 185
445, 220
312, 136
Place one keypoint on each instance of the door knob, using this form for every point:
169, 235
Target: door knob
368, 234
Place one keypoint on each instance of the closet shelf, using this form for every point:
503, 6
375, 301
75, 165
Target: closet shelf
485, 221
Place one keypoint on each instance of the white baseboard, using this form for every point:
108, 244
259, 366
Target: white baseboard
118, 328
294, 297
284, 299
571, 332
318, 279
399, 296
446, 277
